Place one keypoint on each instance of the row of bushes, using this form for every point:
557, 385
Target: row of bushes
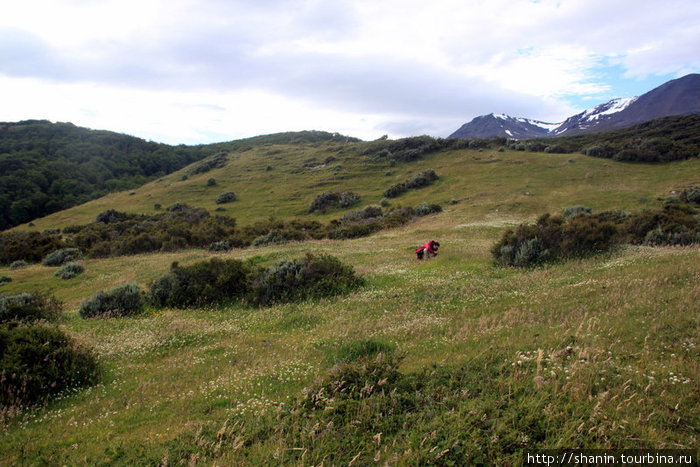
37, 359
578, 233
115, 233
662, 140
413, 148
223, 281
420, 180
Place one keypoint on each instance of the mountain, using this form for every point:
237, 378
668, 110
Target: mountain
677, 97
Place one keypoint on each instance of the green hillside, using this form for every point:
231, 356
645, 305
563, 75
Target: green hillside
47, 167
449, 361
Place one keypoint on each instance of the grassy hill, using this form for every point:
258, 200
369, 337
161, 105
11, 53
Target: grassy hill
47, 167
599, 352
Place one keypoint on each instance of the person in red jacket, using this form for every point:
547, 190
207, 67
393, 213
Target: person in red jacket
427, 250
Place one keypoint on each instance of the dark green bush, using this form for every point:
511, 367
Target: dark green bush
69, 271
216, 161
573, 211
300, 279
5, 279
29, 307
211, 182
422, 179
19, 264
204, 283
425, 209
39, 361
62, 256
552, 238
122, 300
227, 197
27, 246
691, 195
671, 219
273, 237
327, 200
220, 246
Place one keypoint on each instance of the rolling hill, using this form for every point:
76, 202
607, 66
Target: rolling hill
453, 360
47, 167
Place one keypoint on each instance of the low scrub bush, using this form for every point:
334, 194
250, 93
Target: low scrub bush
220, 246
70, 270
59, 257
122, 300
27, 246
5, 279
425, 209
204, 283
553, 238
420, 180
326, 200
573, 211
228, 197
300, 279
679, 221
691, 195
38, 361
216, 161
27, 307
19, 264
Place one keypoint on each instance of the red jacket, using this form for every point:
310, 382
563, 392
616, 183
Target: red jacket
428, 246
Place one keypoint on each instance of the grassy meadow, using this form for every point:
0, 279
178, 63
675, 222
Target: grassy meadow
600, 352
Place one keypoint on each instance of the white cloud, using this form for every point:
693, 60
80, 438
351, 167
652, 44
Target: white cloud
191, 71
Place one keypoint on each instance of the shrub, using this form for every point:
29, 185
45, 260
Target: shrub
426, 208
216, 161
270, 238
29, 307
211, 182
301, 279
227, 197
62, 256
220, 246
19, 264
422, 179
122, 300
38, 361
552, 238
691, 195
27, 246
69, 271
204, 283
327, 200
5, 279
573, 211
673, 218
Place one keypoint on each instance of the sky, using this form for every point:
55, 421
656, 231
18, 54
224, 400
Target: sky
202, 71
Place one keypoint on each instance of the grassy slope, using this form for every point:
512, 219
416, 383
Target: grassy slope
630, 317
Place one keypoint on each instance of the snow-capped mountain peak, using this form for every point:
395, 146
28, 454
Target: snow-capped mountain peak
676, 97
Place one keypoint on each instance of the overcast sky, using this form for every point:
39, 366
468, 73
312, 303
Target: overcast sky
198, 71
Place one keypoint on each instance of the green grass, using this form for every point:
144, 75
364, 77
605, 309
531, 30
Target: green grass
600, 352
